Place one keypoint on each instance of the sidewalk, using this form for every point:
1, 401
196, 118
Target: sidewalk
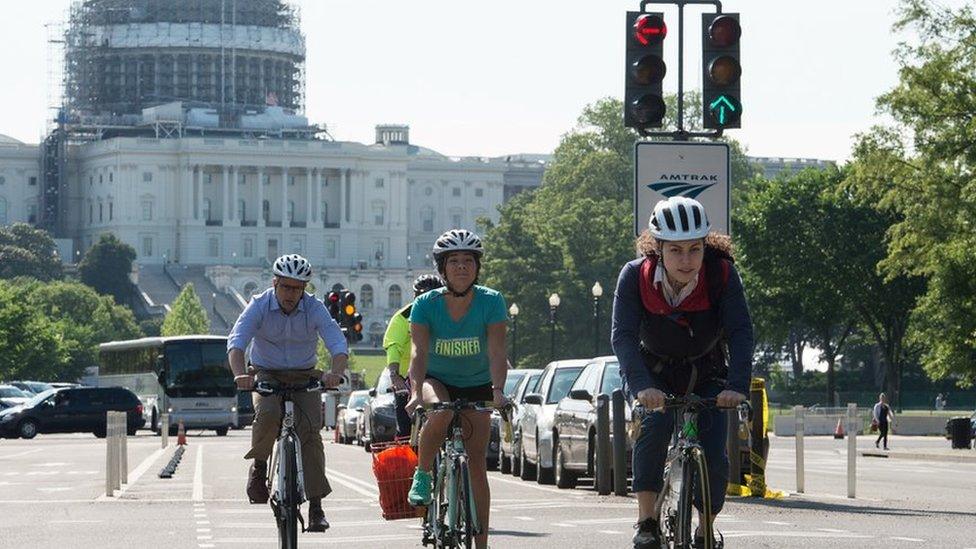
925, 454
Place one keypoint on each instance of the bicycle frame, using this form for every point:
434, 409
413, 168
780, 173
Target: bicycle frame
286, 435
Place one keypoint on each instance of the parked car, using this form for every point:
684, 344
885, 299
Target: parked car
537, 418
509, 450
62, 385
379, 412
32, 387
495, 433
12, 396
347, 416
574, 430
71, 410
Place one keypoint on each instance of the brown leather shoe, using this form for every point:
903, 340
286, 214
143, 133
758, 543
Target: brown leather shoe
316, 518
257, 482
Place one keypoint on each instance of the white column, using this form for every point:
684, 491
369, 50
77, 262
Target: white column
308, 197
284, 197
343, 214
234, 198
260, 196
198, 210
186, 194
226, 192
317, 197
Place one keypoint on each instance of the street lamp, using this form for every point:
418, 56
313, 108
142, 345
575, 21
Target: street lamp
597, 291
553, 305
513, 311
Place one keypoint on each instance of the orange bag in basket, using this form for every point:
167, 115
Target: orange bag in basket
393, 468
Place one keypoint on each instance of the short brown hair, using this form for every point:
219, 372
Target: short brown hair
648, 246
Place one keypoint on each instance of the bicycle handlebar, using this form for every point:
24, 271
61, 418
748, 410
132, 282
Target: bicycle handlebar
693, 402
270, 388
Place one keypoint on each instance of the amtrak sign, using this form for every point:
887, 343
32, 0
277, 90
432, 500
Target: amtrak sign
702, 171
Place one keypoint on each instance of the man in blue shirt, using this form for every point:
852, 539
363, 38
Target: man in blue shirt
285, 324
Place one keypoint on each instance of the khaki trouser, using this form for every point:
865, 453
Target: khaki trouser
308, 425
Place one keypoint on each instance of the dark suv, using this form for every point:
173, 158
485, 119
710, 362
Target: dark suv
71, 410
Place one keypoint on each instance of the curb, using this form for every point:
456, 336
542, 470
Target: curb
970, 458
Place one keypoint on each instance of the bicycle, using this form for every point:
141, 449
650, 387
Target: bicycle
685, 472
287, 485
451, 520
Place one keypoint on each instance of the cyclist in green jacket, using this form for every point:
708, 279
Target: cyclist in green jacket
396, 342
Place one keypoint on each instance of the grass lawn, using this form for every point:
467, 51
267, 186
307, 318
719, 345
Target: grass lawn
370, 365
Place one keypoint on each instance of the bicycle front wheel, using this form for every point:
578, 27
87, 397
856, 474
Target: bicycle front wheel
701, 489
288, 490
467, 523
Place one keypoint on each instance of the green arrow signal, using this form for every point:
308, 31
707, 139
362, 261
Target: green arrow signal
722, 104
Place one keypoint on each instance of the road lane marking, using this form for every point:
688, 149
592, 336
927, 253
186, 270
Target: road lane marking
55, 489
906, 539
357, 540
564, 525
527, 519
352, 483
793, 534
611, 532
136, 474
24, 453
74, 521
527, 485
198, 475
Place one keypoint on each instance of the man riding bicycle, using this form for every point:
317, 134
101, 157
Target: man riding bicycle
396, 342
677, 312
285, 323
458, 335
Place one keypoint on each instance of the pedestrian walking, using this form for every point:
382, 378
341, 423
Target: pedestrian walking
883, 417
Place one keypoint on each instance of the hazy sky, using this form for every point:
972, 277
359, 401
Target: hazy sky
510, 76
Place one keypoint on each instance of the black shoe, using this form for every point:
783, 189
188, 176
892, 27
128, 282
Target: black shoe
316, 517
648, 534
257, 482
699, 542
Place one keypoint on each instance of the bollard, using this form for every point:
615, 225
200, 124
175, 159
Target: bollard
602, 445
799, 413
619, 443
124, 426
109, 457
852, 429
164, 430
117, 441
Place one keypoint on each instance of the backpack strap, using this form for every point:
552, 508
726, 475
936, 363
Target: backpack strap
405, 313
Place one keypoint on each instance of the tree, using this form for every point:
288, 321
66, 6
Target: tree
106, 267
83, 319
573, 231
26, 251
187, 315
919, 168
32, 346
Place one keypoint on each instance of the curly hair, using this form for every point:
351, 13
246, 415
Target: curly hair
648, 246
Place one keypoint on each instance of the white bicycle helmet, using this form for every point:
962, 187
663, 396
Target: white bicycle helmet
679, 218
458, 240
293, 266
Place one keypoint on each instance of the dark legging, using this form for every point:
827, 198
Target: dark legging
882, 433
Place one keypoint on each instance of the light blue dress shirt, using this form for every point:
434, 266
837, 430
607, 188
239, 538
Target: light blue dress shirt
285, 342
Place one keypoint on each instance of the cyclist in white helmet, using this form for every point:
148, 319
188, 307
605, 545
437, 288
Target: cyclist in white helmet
285, 324
458, 335
678, 312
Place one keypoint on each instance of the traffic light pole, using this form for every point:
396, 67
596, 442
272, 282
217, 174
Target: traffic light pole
681, 134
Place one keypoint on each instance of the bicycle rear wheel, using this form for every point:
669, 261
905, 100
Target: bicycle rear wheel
288, 490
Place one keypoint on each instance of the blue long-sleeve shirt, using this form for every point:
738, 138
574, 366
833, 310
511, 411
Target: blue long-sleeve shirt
286, 342
628, 310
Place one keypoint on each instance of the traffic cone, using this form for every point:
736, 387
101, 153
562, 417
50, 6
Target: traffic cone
839, 430
181, 435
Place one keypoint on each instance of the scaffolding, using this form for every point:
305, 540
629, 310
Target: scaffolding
121, 56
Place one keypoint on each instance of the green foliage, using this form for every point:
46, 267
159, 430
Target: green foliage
573, 231
920, 169
32, 345
186, 316
151, 327
106, 267
26, 251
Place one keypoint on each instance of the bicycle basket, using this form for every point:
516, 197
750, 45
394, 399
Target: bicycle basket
393, 465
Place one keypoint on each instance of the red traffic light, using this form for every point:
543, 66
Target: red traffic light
649, 29
724, 31
333, 297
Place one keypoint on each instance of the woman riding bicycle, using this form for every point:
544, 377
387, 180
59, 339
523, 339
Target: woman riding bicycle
677, 312
458, 335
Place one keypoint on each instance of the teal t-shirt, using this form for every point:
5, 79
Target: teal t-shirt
458, 353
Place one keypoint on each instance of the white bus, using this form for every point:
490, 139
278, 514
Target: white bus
185, 376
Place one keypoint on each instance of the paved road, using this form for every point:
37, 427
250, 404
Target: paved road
51, 496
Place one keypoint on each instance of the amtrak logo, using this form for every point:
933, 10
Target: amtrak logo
683, 184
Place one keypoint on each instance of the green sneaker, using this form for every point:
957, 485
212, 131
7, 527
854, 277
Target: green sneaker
420, 489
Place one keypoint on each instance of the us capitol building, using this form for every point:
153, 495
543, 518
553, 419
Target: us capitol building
181, 132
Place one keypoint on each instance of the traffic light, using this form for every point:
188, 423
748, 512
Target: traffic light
332, 304
643, 96
721, 105
352, 321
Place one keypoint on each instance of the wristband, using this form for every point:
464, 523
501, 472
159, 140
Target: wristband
493, 388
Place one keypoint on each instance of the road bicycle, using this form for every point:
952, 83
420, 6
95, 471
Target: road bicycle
287, 484
451, 520
685, 471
